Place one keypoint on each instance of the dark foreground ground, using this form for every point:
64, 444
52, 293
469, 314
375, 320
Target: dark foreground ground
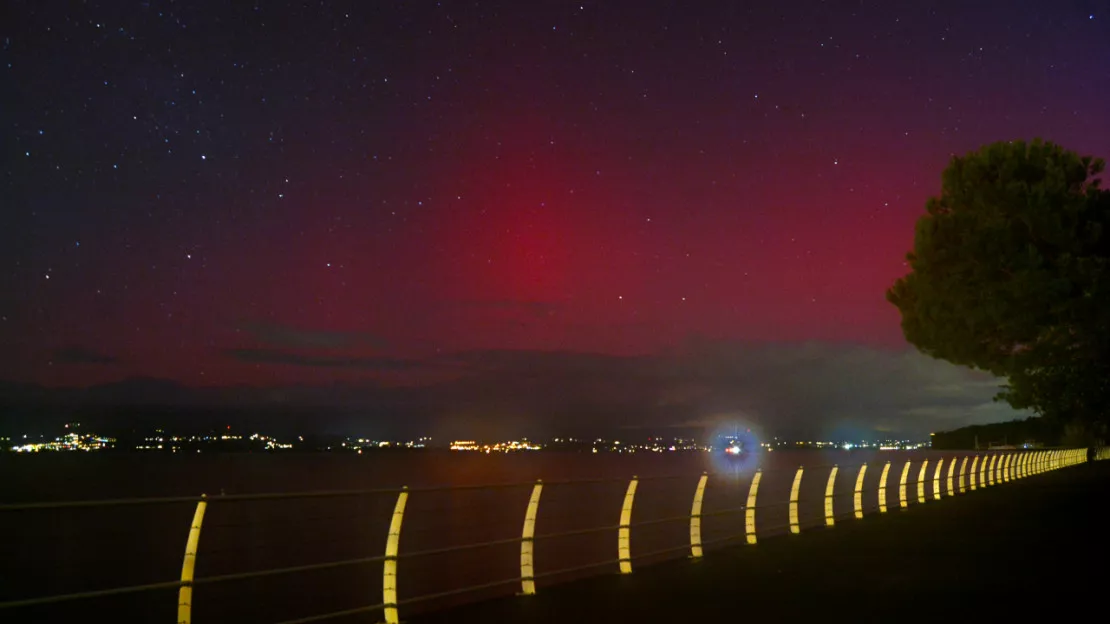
1031, 549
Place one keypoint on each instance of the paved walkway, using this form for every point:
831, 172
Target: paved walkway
1023, 549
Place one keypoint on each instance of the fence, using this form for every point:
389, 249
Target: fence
816, 496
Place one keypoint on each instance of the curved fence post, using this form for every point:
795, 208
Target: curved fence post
527, 542
829, 519
902, 502
188, 564
974, 472
695, 517
963, 473
921, 481
795, 527
749, 511
936, 479
389, 567
990, 471
624, 550
1019, 465
882, 487
857, 498
1007, 467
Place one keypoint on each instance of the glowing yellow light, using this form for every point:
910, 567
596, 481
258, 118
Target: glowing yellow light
829, 520
936, 479
794, 526
902, 502
882, 487
695, 517
389, 568
624, 551
185, 594
749, 511
527, 569
921, 481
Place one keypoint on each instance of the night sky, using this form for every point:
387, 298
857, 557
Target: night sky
655, 213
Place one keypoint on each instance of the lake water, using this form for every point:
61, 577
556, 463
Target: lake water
54, 551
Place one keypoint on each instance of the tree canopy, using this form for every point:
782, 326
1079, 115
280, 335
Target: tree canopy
1010, 273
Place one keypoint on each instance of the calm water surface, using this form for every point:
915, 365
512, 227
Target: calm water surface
47, 552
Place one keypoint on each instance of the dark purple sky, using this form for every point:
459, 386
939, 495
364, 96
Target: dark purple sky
425, 193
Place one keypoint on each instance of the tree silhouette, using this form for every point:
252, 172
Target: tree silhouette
1011, 274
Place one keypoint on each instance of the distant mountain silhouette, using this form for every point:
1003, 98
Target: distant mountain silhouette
139, 391
131, 391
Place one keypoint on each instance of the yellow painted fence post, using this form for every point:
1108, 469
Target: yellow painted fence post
389, 567
188, 565
795, 526
624, 549
749, 510
882, 487
990, 472
936, 479
695, 517
963, 472
830, 520
921, 481
902, 502
527, 542
951, 477
857, 498
974, 472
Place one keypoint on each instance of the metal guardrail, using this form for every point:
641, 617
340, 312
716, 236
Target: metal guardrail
985, 471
